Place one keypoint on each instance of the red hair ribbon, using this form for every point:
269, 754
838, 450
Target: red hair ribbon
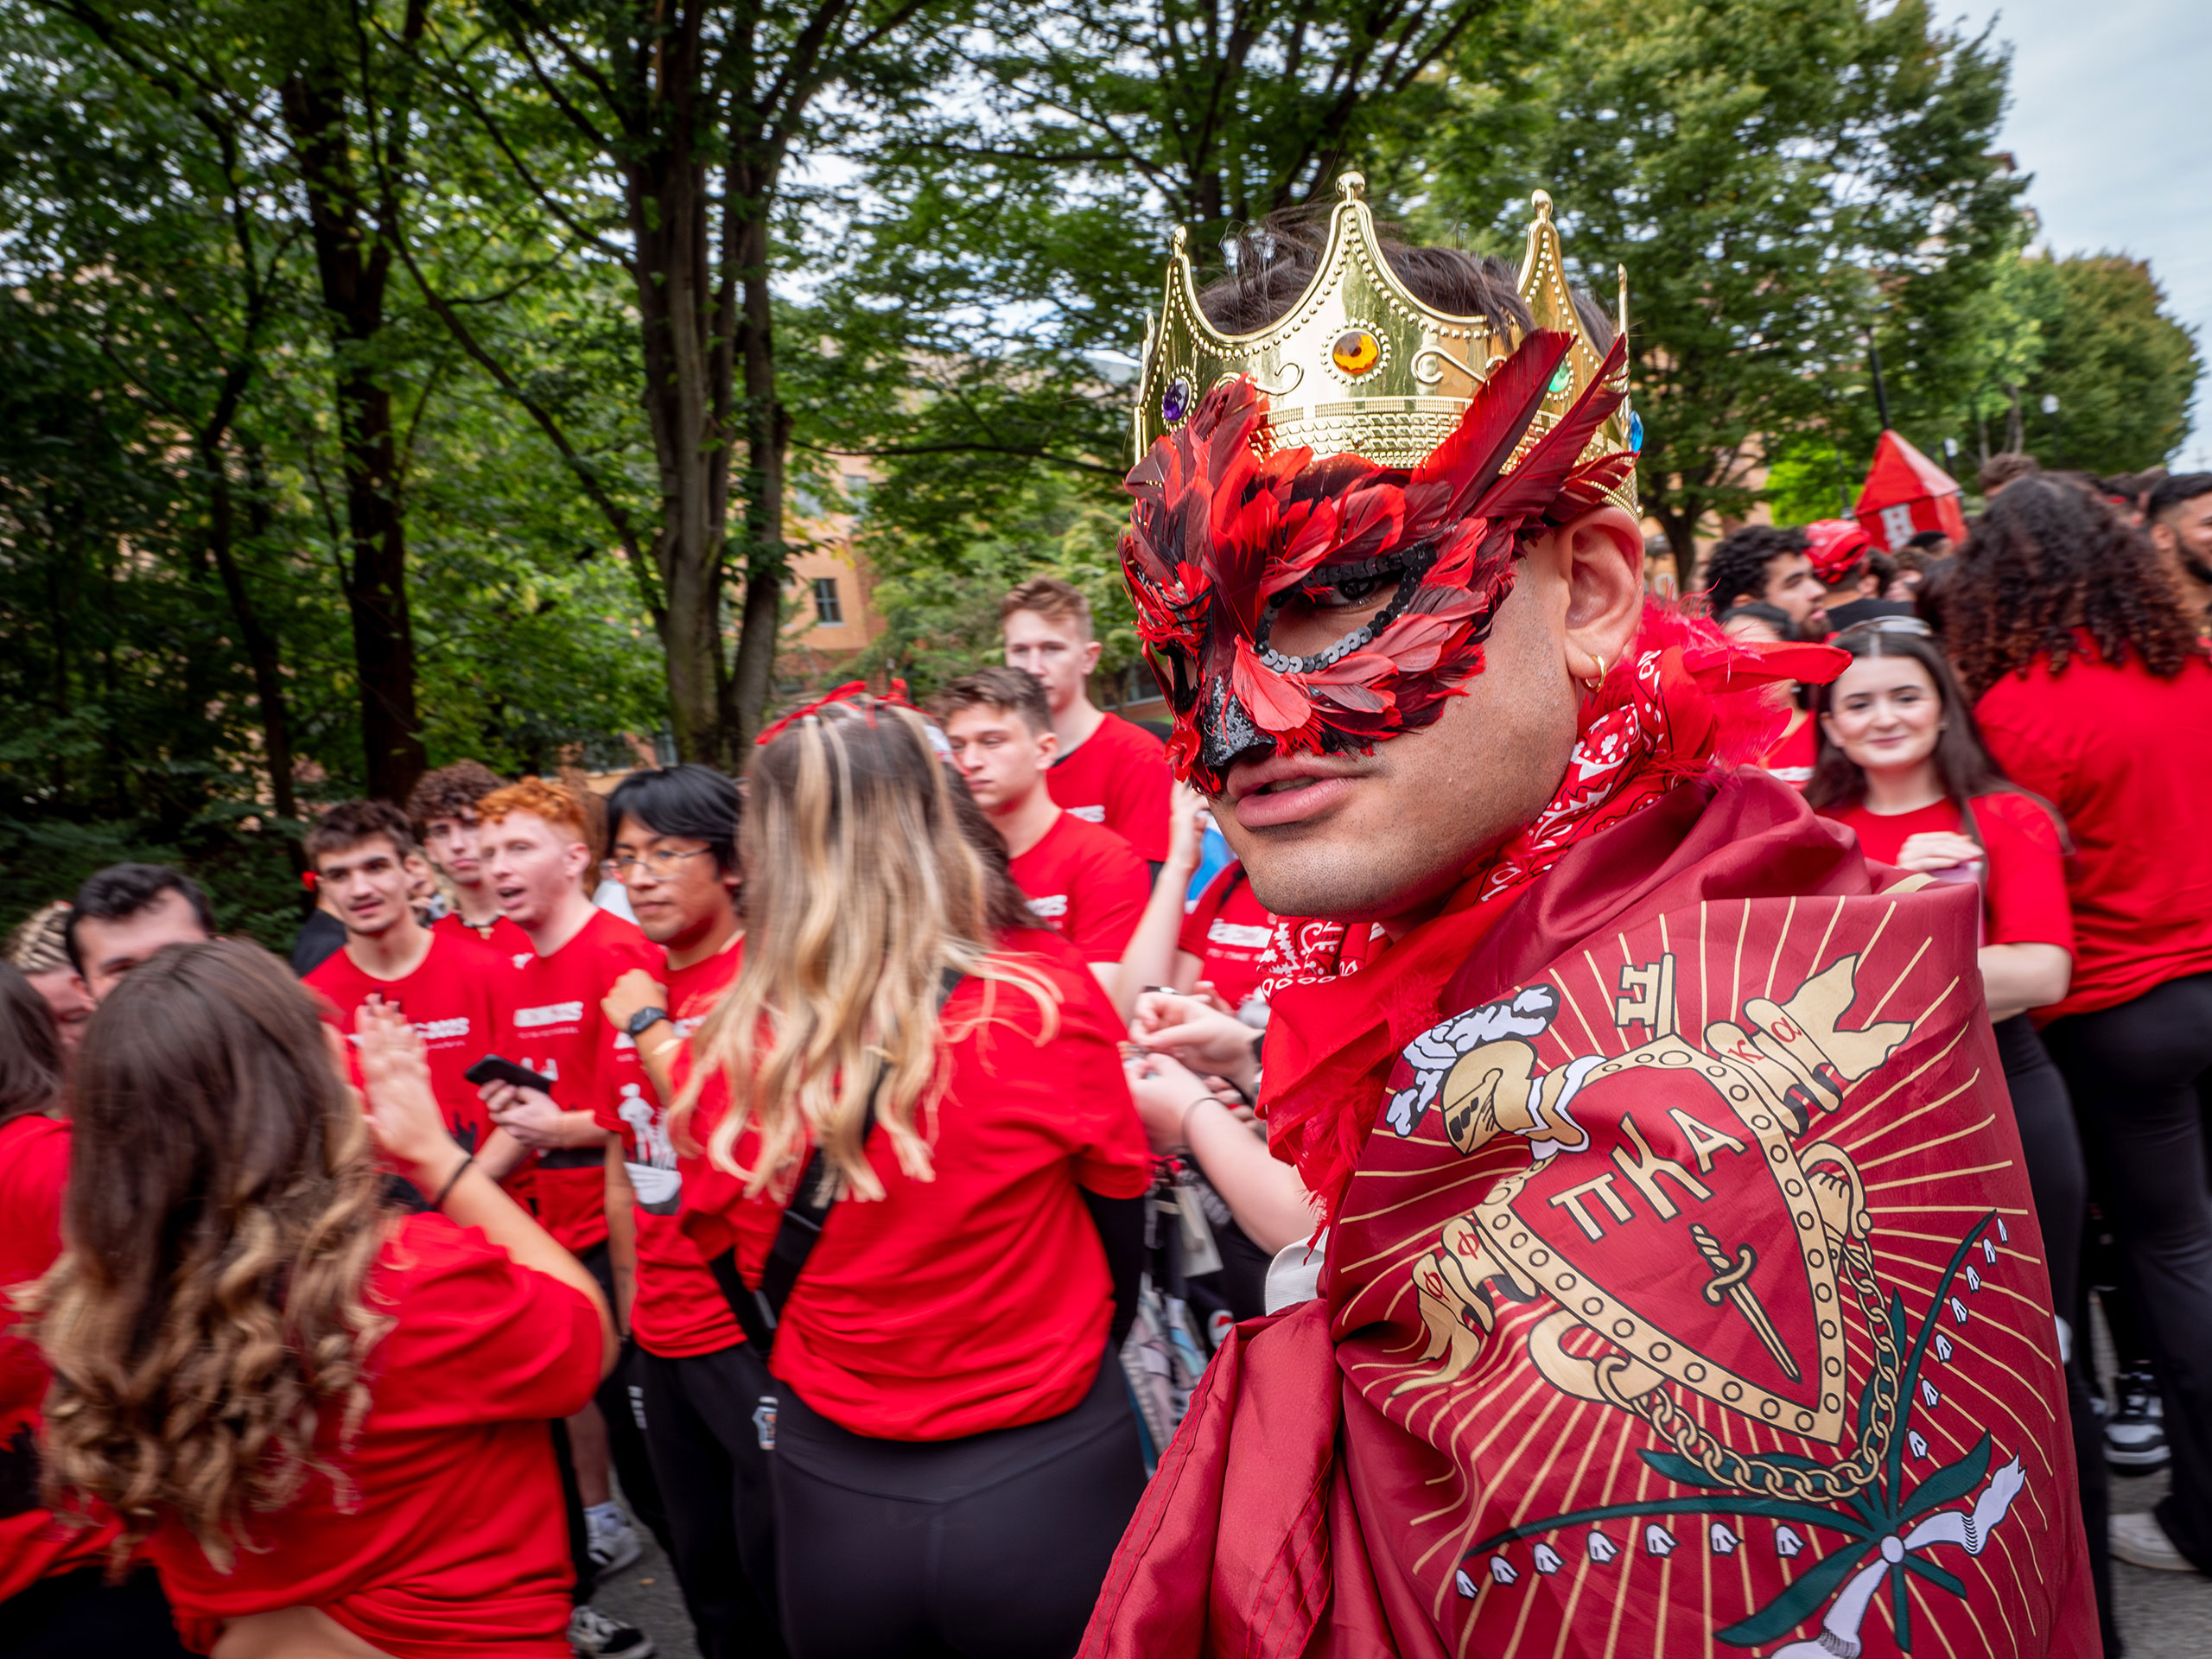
850, 691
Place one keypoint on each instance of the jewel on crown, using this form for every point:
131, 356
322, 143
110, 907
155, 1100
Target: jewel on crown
1359, 365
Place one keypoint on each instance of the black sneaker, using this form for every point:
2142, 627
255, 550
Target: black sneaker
594, 1635
2135, 1435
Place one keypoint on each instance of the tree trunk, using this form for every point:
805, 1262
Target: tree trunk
353, 283
667, 201
767, 439
260, 648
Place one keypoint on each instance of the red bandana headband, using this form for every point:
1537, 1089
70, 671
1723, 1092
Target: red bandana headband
855, 693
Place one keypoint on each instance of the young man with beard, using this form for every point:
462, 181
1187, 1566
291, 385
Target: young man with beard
1083, 882
1764, 564
1681, 1282
365, 862
2178, 511
537, 860
1104, 770
675, 849
443, 807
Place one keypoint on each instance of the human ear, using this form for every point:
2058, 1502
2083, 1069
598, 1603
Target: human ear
1604, 555
1090, 658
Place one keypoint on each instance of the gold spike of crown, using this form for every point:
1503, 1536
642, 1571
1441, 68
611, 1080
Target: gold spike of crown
1360, 366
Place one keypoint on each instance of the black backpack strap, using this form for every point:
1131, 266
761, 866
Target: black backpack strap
758, 1311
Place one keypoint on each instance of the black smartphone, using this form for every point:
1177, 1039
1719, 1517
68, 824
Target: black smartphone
494, 1069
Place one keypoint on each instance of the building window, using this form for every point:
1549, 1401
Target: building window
828, 609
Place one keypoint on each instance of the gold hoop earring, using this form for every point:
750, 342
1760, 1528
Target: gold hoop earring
1596, 682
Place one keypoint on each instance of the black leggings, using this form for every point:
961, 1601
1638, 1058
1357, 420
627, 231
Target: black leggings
2060, 1182
79, 1615
701, 1430
2135, 1071
993, 1547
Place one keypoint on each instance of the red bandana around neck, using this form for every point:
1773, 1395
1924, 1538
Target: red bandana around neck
1686, 701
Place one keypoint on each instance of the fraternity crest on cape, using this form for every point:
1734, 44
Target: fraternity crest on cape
1704, 1183
1707, 1257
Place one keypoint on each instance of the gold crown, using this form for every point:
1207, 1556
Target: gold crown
1360, 366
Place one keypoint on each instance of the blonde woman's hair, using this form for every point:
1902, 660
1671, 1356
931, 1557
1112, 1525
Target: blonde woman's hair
870, 875
222, 1215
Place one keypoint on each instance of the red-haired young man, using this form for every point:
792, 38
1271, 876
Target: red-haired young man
538, 859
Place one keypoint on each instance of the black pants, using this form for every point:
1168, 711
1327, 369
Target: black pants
2135, 1071
713, 1484
621, 1400
78, 1616
993, 1547
2059, 1179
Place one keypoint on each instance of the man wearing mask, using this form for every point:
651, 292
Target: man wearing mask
1646, 1272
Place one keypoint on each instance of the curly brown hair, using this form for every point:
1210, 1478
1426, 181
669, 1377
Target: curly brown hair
223, 1213
449, 792
2049, 558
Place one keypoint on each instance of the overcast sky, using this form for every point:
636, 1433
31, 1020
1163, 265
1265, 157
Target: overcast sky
2112, 113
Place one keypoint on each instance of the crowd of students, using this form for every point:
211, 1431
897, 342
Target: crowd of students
380, 1280
2031, 713
466, 1231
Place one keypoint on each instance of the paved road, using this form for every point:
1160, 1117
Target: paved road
646, 1596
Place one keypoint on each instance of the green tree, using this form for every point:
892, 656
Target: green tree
177, 652
318, 87
1779, 177
1005, 247
2122, 370
666, 138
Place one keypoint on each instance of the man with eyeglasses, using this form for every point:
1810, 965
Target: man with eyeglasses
675, 850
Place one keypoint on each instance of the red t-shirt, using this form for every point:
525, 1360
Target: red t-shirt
34, 1171
551, 1022
450, 1001
2023, 879
1228, 930
1085, 883
1792, 757
678, 1310
1117, 777
979, 1299
452, 1541
502, 936
2126, 758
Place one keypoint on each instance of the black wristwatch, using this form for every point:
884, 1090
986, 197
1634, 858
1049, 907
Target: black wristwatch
643, 1021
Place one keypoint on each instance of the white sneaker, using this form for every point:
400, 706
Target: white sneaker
615, 1546
2139, 1539
594, 1635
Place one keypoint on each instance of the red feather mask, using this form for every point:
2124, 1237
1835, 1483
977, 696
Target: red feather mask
1222, 538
